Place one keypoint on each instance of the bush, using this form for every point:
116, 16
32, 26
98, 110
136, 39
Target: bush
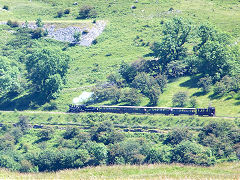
188, 152
225, 85
67, 11
158, 154
205, 84
6, 7
60, 14
70, 133
162, 81
38, 33
87, 12
39, 23
12, 24
131, 97
180, 99
178, 135
108, 92
193, 102
176, 68
220, 137
77, 37
46, 134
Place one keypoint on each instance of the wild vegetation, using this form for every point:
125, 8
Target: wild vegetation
156, 53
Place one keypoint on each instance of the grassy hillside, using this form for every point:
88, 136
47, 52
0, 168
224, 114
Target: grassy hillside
161, 171
118, 42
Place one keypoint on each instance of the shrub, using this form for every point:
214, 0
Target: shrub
178, 135
38, 33
76, 37
176, 68
180, 99
156, 154
45, 134
70, 133
39, 23
127, 72
98, 153
131, 97
60, 14
188, 152
193, 102
67, 11
225, 85
162, 81
6, 7
87, 12
12, 24
205, 84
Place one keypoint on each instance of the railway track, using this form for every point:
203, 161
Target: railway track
57, 112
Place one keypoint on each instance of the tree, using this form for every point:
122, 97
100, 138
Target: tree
10, 78
127, 72
148, 86
176, 34
180, 99
205, 84
215, 58
47, 69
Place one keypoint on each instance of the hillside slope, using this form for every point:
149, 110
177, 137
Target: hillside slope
91, 65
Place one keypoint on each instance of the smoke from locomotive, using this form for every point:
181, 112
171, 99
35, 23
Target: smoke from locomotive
84, 97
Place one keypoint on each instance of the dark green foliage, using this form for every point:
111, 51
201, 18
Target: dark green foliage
10, 76
6, 7
12, 24
77, 37
178, 135
127, 72
193, 102
180, 99
175, 35
98, 153
214, 59
46, 134
105, 133
220, 136
39, 23
176, 68
53, 160
67, 11
131, 97
87, 12
132, 151
225, 85
148, 86
107, 92
38, 33
188, 152
116, 79
161, 81
205, 84
60, 14
23, 123
159, 154
47, 69
70, 133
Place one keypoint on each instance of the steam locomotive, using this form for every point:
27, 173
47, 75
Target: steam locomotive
210, 111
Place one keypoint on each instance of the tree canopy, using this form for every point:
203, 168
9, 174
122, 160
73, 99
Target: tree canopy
47, 69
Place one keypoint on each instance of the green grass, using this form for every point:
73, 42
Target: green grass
161, 171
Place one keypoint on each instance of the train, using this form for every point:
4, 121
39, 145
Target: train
210, 111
